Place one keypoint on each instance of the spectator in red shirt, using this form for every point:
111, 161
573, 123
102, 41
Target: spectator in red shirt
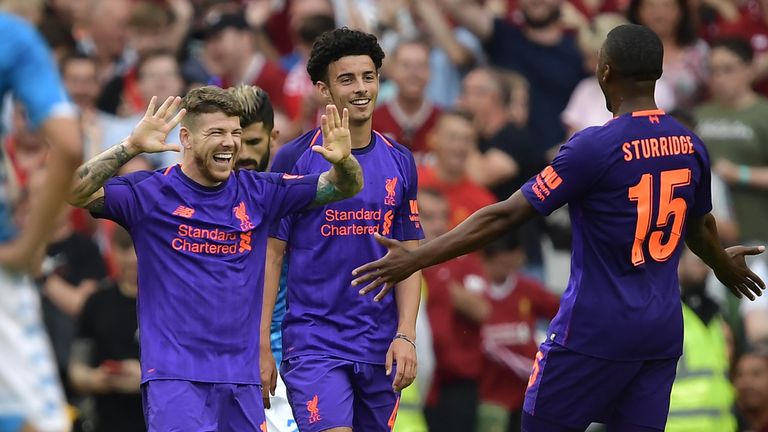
409, 117
456, 308
453, 140
517, 304
230, 54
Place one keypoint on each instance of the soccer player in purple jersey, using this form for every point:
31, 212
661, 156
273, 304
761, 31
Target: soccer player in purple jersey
338, 347
200, 232
635, 187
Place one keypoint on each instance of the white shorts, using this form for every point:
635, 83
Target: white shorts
280, 416
29, 382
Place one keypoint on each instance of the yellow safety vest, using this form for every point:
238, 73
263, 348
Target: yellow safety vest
702, 395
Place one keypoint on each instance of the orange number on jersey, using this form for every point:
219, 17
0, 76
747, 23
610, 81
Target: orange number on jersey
669, 207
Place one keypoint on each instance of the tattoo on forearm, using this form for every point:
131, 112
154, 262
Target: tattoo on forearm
94, 173
342, 181
96, 206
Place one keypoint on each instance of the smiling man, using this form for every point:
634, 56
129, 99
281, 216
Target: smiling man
200, 232
339, 347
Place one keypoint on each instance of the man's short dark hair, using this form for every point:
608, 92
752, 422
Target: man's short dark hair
207, 100
339, 43
634, 52
74, 57
739, 46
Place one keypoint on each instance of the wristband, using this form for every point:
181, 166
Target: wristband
405, 338
745, 174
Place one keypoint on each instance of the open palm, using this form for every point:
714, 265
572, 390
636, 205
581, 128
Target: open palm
337, 141
150, 134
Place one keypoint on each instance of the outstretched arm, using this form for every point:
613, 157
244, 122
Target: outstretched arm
481, 228
402, 350
148, 137
345, 178
728, 264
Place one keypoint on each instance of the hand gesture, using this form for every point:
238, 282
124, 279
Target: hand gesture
737, 276
337, 141
268, 374
150, 134
403, 353
394, 267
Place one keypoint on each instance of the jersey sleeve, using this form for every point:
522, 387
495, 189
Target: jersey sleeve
574, 170
122, 203
702, 203
289, 193
406, 225
35, 79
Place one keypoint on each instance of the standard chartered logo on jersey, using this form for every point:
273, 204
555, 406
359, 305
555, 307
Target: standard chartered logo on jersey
356, 222
213, 241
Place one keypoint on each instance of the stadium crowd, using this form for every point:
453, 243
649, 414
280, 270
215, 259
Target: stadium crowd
483, 93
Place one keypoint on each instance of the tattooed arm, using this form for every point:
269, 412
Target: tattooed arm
345, 178
148, 137
88, 192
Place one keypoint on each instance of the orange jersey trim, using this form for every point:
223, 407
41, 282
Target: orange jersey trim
648, 113
168, 170
314, 138
383, 138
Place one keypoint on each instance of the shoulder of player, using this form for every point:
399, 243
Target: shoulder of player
398, 150
290, 153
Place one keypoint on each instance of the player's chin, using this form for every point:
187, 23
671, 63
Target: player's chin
219, 171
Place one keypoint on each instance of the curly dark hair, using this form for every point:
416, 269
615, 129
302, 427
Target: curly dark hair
339, 43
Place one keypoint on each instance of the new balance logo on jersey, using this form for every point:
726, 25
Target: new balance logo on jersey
242, 215
391, 188
183, 211
314, 410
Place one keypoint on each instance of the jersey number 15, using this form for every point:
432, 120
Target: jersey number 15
669, 208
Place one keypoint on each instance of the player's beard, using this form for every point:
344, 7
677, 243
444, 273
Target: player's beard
205, 166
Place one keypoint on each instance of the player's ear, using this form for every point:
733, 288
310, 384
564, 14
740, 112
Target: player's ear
324, 91
273, 136
184, 137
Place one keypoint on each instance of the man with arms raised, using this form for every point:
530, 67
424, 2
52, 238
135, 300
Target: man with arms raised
636, 187
198, 229
338, 347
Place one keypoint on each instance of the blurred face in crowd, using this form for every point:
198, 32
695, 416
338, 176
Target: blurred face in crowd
256, 143
480, 94
159, 76
540, 13
353, 83
434, 214
126, 261
692, 272
729, 76
410, 70
453, 139
108, 26
145, 40
81, 81
226, 51
211, 144
301, 9
751, 383
500, 264
661, 16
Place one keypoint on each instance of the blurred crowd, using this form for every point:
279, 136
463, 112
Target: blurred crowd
483, 93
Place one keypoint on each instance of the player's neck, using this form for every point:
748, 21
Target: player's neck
193, 173
361, 134
629, 104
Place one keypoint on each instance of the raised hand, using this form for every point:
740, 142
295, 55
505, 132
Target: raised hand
392, 268
337, 141
150, 133
737, 276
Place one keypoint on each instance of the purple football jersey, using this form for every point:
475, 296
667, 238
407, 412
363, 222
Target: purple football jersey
326, 315
201, 253
629, 186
